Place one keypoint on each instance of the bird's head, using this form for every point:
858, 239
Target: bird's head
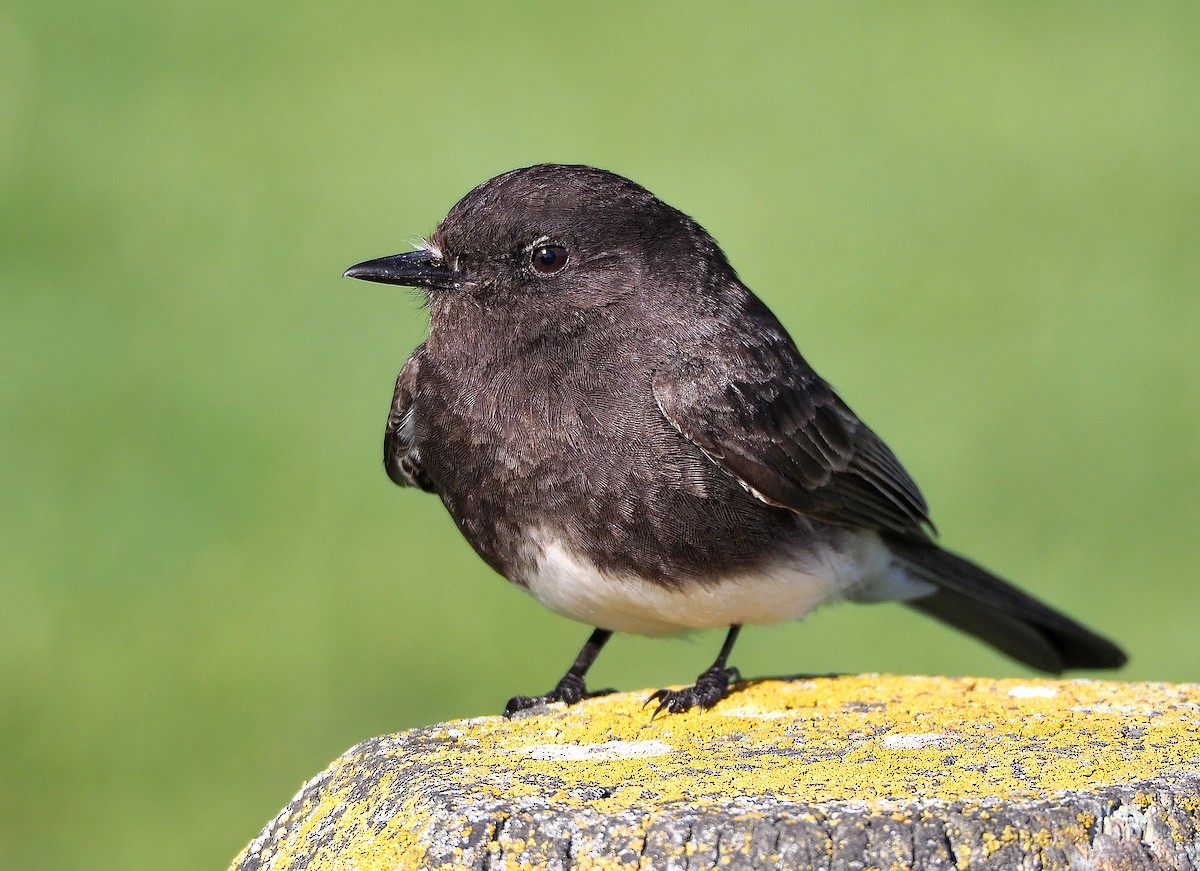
582, 236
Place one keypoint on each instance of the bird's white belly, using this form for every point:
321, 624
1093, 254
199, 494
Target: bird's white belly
568, 583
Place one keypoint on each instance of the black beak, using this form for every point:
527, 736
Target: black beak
418, 268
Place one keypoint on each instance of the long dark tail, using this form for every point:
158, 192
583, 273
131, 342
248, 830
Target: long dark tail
974, 600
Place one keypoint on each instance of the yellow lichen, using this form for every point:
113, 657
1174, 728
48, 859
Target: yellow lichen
881, 739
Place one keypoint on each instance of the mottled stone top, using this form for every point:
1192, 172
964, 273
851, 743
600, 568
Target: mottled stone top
777, 766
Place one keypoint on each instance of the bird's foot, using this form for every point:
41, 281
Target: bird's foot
712, 686
570, 689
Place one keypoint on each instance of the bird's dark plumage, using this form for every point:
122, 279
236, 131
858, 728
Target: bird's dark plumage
619, 426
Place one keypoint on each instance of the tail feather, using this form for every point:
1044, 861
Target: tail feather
974, 600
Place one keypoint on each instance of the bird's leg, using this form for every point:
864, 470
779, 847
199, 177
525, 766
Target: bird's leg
571, 688
710, 687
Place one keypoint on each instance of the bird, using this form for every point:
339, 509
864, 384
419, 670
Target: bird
621, 428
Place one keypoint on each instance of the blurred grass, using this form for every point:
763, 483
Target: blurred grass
979, 222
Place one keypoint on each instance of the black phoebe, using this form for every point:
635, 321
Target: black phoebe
623, 430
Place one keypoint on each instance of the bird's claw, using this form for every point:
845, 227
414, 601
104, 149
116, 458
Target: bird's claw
570, 690
712, 686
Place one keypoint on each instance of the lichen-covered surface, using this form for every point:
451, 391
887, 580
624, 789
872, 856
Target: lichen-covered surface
839, 772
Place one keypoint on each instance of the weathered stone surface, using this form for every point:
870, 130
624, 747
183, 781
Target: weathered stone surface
825, 773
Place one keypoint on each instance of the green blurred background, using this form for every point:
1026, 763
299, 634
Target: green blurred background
979, 222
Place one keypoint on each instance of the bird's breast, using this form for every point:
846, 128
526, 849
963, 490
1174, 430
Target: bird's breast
584, 450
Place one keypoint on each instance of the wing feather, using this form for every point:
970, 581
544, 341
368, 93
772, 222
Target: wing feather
770, 422
401, 458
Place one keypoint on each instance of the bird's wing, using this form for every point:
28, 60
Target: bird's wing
770, 422
401, 458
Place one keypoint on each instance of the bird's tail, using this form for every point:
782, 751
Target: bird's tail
974, 600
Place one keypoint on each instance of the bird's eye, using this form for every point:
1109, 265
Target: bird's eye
548, 259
